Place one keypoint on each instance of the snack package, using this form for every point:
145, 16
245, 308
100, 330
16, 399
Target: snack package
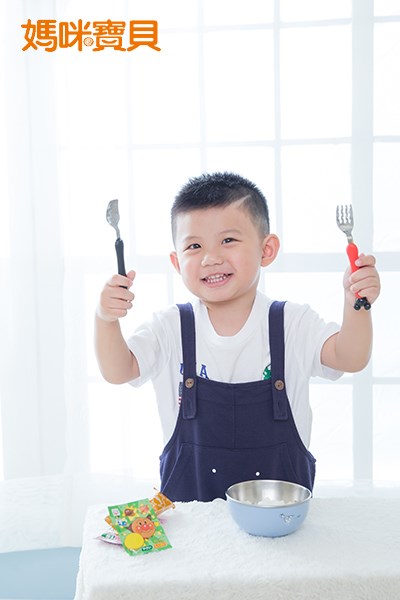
159, 502
138, 527
111, 537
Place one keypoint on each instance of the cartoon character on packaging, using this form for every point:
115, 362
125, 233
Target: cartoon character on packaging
143, 526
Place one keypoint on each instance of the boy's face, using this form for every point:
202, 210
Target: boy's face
219, 252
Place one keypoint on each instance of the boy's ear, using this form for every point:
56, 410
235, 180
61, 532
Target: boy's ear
270, 249
175, 262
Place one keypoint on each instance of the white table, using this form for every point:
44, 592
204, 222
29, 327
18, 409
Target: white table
347, 549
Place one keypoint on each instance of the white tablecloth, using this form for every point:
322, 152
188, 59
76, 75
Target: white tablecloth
347, 549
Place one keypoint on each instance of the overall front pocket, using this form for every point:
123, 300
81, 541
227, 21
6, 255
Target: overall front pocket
204, 473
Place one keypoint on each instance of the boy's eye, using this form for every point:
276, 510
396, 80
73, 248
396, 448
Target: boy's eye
193, 247
228, 240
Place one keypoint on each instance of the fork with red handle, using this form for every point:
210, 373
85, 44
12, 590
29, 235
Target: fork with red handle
345, 222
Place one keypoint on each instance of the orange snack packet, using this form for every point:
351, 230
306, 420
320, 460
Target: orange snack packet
161, 503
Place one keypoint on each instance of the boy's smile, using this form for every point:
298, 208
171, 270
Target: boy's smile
219, 253
216, 280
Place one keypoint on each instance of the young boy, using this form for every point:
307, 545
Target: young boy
231, 373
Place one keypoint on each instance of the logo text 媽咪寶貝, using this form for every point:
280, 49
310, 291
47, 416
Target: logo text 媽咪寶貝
123, 36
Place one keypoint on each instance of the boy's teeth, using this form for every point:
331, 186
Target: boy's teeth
215, 278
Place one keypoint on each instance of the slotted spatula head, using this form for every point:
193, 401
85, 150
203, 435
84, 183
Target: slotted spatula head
112, 215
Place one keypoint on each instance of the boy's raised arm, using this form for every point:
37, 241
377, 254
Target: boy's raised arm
350, 349
116, 362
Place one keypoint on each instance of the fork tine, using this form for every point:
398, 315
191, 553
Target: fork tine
344, 214
340, 214
351, 214
344, 220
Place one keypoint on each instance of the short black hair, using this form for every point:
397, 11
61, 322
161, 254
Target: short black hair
210, 190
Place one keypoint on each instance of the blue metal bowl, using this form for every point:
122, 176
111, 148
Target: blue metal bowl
268, 507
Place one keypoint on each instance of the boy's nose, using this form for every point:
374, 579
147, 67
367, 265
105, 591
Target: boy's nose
210, 259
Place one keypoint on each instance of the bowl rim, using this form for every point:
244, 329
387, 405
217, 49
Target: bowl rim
279, 506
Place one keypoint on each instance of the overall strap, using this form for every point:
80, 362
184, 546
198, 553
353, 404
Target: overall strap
188, 336
277, 349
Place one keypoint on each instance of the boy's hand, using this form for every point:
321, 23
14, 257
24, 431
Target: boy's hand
115, 299
365, 281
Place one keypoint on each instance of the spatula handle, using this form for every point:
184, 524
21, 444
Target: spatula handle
352, 253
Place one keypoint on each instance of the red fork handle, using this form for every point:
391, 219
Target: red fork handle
352, 253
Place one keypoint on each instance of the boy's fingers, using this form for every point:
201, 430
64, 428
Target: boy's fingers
364, 273
365, 260
119, 294
121, 280
114, 292
116, 298
365, 284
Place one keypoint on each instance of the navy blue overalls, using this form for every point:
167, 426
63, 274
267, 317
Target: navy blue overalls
231, 432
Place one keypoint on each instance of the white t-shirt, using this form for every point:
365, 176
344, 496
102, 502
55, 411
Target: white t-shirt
233, 359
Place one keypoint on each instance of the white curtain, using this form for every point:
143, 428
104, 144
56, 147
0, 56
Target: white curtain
81, 128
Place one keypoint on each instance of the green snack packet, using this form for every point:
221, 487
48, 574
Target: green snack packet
138, 527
